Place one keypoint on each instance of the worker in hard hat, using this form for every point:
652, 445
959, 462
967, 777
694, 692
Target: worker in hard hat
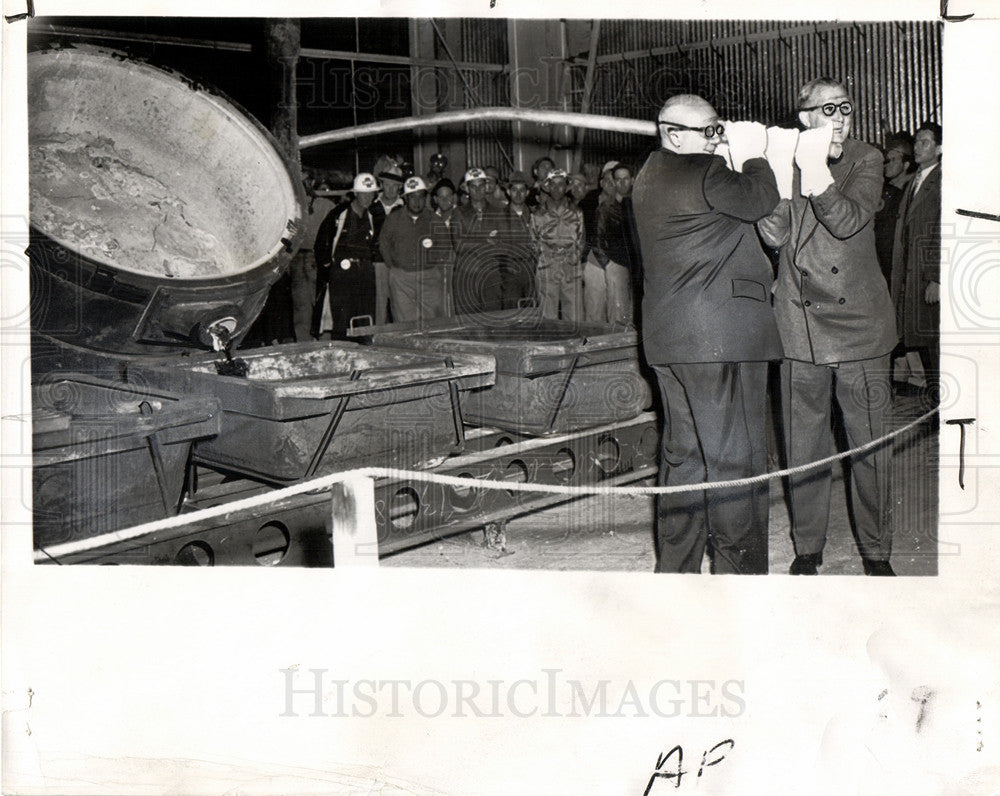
345, 276
416, 279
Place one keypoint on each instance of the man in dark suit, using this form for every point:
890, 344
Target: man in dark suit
708, 332
895, 168
837, 325
916, 260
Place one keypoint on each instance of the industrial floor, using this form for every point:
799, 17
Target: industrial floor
616, 534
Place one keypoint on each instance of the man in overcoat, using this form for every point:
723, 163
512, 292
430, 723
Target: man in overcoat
916, 255
837, 325
708, 332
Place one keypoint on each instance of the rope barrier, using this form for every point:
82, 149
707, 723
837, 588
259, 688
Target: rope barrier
323, 483
597, 489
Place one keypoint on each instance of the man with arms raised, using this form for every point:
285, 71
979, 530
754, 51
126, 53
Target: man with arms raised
837, 325
708, 331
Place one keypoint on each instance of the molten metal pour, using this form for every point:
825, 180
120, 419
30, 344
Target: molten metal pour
222, 340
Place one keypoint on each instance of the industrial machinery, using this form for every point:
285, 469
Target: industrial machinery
161, 216
161, 213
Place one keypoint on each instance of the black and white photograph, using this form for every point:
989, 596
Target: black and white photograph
441, 340
571, 301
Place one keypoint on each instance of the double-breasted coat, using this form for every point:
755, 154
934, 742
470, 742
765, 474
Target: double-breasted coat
831, 300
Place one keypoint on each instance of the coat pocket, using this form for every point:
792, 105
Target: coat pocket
748, 288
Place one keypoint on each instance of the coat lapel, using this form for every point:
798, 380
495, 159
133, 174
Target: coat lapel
906, 202
927, 187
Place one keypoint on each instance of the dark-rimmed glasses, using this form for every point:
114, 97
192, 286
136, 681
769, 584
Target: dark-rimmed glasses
709, 131
829, 108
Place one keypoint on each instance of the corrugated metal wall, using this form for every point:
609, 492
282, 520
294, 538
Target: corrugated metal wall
746, 69
485, 41
754, 70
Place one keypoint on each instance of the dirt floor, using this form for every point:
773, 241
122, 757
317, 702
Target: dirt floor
616, 534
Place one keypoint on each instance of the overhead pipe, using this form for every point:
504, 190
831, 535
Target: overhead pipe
590, 121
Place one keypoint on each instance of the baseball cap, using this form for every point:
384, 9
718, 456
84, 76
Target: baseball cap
413, 185
518, 176
365, 183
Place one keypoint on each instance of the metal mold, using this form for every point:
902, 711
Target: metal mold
408, 514
552, 376
109, 455
311, 408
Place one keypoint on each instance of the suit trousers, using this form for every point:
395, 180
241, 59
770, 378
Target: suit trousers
713, 430
516, 281
607, 292
350, 293
864, 396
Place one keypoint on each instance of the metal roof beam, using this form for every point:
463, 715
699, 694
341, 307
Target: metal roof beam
48, 29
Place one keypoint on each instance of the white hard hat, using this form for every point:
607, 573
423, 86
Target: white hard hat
474, 174
414, 184
365, 183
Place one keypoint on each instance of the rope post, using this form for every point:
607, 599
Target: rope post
355, 534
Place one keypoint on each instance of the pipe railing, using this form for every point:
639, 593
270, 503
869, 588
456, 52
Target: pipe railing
590, 121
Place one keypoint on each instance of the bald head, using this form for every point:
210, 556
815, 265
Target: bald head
685, 106
687, 111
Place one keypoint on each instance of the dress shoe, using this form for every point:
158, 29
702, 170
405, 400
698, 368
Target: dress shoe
806, 564
874, 567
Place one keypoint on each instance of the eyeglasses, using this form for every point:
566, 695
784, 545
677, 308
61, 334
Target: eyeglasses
709, 132
829, 108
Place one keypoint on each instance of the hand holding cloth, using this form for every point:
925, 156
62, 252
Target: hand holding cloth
780, 154
810, 156
747, 140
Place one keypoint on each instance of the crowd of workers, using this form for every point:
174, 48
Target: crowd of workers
406, 247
